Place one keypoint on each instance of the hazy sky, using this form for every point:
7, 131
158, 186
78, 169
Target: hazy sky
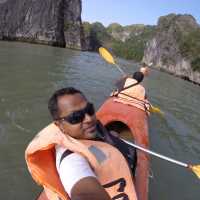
128, 12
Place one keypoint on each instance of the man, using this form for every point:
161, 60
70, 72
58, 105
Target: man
128, 81
130, 91
145, 69
86, 165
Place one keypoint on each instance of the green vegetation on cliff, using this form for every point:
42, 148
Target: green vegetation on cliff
114, 27
190, 47
96, 35
185, 32
176, 36
127, 42
133, 47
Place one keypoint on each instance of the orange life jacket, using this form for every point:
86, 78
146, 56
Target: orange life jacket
134, 95
111, 167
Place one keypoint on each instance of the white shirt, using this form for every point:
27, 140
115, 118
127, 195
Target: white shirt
72, 168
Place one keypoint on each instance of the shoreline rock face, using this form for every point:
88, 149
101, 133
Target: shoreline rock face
42, 21
168, 50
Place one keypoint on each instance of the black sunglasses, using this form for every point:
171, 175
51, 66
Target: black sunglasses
78, 116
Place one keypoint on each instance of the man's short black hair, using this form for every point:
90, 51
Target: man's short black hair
139, 76
53, 101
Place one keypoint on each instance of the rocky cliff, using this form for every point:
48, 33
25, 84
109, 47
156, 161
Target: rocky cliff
175, 47
53, 22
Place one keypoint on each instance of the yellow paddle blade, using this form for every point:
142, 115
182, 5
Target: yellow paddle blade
196, 170
106, 55
154, 109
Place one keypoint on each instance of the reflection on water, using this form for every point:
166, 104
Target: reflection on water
31, 73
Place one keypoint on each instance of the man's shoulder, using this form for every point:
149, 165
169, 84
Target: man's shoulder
130, 80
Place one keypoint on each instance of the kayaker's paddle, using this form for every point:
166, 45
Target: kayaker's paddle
154, 109
194, 168
109, 58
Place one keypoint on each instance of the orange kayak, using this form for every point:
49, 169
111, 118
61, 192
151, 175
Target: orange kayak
132, 124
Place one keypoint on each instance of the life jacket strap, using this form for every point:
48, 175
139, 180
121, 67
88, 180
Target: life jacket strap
65, 154
139, 101
121, 90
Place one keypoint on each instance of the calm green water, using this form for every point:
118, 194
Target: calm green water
29, 74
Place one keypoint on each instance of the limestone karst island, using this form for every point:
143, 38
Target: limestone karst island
173, 45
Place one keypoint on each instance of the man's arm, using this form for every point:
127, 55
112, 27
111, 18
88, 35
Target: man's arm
89, 188
78, 178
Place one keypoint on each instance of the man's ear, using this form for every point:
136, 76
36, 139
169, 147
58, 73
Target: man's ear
58, 124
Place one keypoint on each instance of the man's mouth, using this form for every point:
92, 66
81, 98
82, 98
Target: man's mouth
90, 129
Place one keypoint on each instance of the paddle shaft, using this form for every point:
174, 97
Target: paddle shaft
157, 154
119, 68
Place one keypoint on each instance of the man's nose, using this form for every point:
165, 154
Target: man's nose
87, 118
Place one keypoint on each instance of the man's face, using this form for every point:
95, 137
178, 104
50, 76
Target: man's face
145, 70
68, 104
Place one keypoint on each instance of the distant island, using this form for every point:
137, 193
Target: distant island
173, 45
